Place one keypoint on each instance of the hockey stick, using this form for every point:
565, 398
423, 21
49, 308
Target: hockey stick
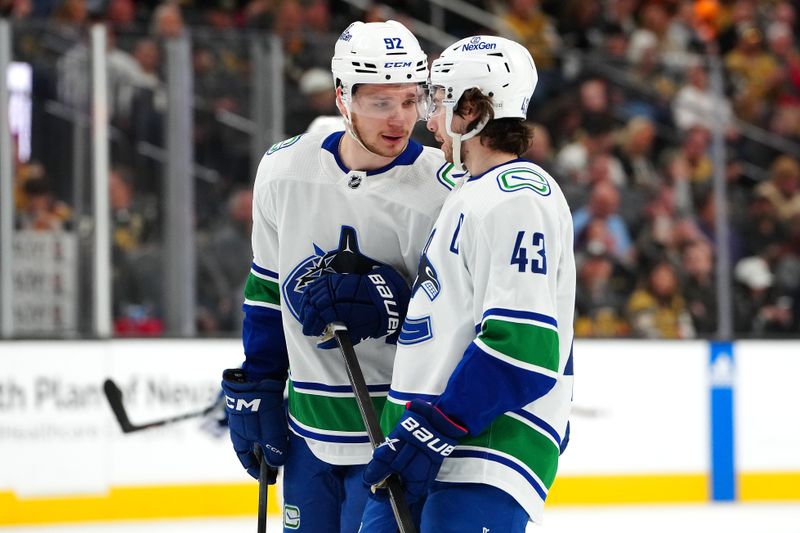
263, 488
114, 397
370, 418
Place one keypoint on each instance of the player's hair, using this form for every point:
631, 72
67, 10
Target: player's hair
509, 135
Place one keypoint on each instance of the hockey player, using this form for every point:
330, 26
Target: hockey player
339, 222
482, 383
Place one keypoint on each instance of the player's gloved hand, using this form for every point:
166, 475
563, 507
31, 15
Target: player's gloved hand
370, 305
415, 449
256, 415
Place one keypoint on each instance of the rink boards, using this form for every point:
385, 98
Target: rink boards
653, 422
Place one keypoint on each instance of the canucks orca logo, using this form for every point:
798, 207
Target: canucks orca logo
427, 279
346, 258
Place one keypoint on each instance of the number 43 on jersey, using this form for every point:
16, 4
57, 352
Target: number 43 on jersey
530, 245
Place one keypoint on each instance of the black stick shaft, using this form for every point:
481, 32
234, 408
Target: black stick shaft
396, 497
263, 489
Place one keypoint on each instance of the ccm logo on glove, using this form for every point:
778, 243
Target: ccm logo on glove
240, 404
426, 437
389, 302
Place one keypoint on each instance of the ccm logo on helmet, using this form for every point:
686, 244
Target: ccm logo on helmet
426, 437
469, 47
397, 64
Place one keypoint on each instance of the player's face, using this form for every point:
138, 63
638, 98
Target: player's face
436, 124
383, 116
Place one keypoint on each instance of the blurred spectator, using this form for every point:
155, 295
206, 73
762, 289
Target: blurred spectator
659, 33
634, 151
742, 15
785, 12
138, 279
706, 221
754, 74
40, 211
783, 187
783, 47
166, 21
696, 105
528, 25
758, 307
74, 80
133, 222
695, 161
567, 121
260, 13
221, 277
603, 209
16, 9
600, 296
540, 150
133, 217
621, 14
615, 47
657, 239
787, 264
303, 50
71, 13
657, 310
121, 16
763, 231
699, 287
595, 138
318, 99
654, 86
317, 16
579, 24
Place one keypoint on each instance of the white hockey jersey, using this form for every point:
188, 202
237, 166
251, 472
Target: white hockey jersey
307, 204
490, 320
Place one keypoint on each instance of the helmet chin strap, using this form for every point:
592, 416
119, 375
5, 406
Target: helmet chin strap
459, 137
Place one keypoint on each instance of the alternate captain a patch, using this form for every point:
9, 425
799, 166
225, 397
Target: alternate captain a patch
346, 258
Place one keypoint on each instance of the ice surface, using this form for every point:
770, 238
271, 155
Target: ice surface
726, 518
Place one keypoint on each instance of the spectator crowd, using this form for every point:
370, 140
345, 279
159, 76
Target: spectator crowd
624, 118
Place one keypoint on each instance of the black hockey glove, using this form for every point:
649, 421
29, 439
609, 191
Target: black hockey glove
371, 305
256, 414
415, 450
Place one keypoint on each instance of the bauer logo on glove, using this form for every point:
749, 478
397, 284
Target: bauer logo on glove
424, 435
389, 302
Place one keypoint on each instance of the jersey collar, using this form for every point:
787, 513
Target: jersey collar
409, 155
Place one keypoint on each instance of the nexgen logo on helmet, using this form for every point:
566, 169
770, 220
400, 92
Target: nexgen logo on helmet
477, 44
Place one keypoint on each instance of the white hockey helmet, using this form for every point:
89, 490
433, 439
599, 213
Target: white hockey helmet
502, 69
377, 52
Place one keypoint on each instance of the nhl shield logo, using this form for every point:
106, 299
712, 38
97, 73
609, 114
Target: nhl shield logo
355, 181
